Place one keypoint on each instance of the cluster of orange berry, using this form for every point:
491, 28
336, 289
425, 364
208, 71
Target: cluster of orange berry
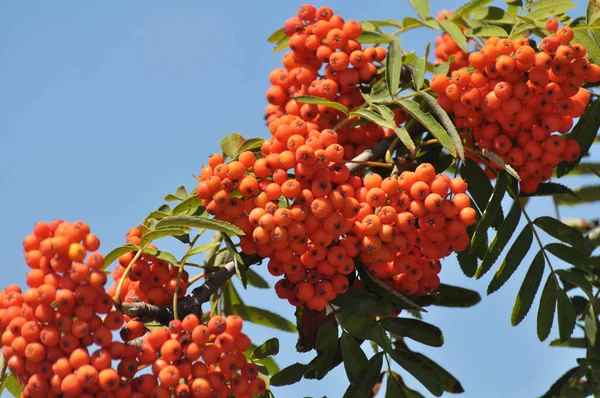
516, 98
150, 279
318, 38
209, 358
445, 47
50, 330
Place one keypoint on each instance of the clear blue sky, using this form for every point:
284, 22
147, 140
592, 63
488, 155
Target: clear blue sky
107, 106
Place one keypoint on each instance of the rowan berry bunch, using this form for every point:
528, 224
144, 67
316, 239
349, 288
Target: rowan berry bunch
445, 47
150, 279
57, 336
209, 358
325, 60
517, 98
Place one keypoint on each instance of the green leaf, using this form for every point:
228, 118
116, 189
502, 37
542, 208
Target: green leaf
455, 33
576, 278
592, 12
486, 31
162, 254
451, 384
290, 375
11, 384
200, 222
393, 388
545, 315
467, 8
578, 342
371, 376
251, 144
513, 258
550, 11
561, 231
585, 130
566, 315
393, 67
311, 99
432, 125
591, 326
327, 338
467, 262
528, 289
421, 7
494, 157
256, 280
552, 189
118, 252
419, 69
401, 132
493, 15
568, 254
383, 290
421, 370
454, 296
415, 329
361, 302
281, 44
586, 194
266, 349
372, 38
161, 233
494, 203
180, 194
240, 268
480, 187
355, 360
263, 317
199, 249
231, 144
193, 202
276, 36
501, 239
560, 383
444, 67
372, 117
447, 123
364, 328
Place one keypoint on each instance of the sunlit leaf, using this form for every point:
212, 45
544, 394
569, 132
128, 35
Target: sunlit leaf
486, 31
421, 7
200, 222
455, 33
393, 67
447, 123
419, 69
311, 99
230, 144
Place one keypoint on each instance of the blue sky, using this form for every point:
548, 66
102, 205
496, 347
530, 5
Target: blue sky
107, 106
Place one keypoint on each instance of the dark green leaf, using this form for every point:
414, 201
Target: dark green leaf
415, 329
550, 11
419, 69
256, 280
455, 33
370, 378
118, 252
230, 298
393, 388
454, 296
591, 326
494, 203
383, 290
421, 370
401, 132
447, 123
263, 317
586, 128
480, 187
551, 189
528, 289
200, 222
327, 339
561, 231
231, 144
486, 31
513, 258
566, 315
311, 99
355, 360
161, 233
560, 383
502, 237
361, 302
429, 122
586, 194
575, 277
290, 375
578, 342
393, 67
421, 7
467, 262
364, 328
451, 384
545, 315
266, 349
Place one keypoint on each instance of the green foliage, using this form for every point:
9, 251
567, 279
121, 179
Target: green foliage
311, 99
393, 67
355, 360
415, 329
528, 289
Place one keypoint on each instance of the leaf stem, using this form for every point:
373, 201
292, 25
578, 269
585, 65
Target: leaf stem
214, 307
117, 296
369, 163
196, 279
181, 265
